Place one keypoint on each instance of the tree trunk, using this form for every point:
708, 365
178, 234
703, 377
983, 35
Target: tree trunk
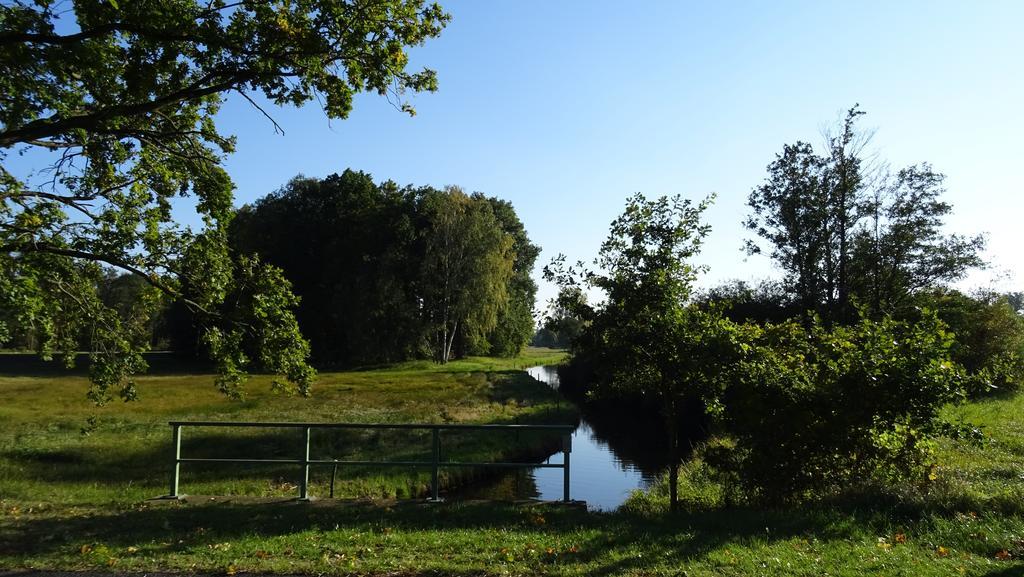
673, 460
449, 341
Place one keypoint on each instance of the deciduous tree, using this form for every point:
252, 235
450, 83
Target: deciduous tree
901, 248
646, 338
466, 269
515, 319
843, 232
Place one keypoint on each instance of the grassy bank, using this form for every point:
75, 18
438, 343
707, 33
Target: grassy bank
970, 523
123, 457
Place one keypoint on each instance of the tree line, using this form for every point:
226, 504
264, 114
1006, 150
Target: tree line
381, 273
388, 273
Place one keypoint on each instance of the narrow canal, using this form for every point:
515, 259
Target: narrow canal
611, 458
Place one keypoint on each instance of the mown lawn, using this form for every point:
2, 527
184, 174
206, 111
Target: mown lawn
970, 523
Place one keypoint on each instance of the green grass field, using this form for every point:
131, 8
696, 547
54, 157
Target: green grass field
125, 458
77, 502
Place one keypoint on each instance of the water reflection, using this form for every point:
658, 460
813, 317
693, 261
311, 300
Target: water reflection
612, 455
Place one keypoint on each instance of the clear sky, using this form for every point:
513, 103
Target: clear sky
567, 108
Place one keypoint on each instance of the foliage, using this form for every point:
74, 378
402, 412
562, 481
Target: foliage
467, 266
901, 249
844, 232
260, 293
515, 319
352, 255
791, 213
818, 410
645, 339
121, 292
114, 104
767, 301
988, 336
379, 267
561, 326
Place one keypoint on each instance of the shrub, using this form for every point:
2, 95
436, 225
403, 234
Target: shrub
816, 410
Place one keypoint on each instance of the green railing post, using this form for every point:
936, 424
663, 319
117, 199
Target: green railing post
566, 449
435, 488
304, 480
176, 441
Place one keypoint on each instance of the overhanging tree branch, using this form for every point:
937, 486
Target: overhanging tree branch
151, 278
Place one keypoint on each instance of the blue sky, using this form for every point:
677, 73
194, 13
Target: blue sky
567, 108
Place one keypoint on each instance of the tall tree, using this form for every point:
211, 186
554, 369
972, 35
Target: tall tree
845, 194
791, 212
515, 319
466, 269
116, 104
365, 258
842, 235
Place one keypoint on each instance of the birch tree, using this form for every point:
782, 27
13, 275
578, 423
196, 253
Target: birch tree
466, 269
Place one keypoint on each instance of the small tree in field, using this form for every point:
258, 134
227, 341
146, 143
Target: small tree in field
645, 339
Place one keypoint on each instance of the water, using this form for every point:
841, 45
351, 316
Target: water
610, 459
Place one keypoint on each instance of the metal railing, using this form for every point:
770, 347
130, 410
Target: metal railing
305, 462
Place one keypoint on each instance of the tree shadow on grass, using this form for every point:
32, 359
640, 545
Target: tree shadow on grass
607, 542
515, 385
174, 527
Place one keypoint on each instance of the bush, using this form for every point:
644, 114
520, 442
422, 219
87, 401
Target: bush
818, 410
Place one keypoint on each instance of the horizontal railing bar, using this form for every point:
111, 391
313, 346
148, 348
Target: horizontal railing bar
268, 461
372, 463
524, 465
371, 426
440, 464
